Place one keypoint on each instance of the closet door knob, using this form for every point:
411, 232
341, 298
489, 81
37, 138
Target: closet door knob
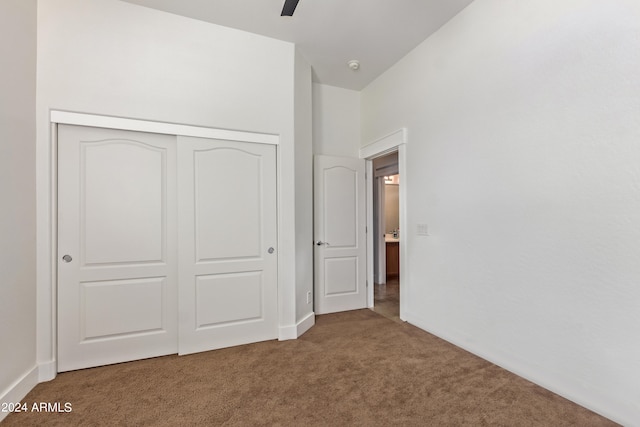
67, 258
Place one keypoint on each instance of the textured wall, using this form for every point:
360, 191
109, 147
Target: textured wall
524, 160
391, 207
304, 186
336, 121
17, 195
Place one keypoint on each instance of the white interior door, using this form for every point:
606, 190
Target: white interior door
117, 274
227, 244
340, 234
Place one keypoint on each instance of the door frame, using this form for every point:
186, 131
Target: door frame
47, 298
395, 141
379, 257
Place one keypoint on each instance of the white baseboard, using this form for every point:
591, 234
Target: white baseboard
592, 400
18, 390
47, 371
305, 324
294, 331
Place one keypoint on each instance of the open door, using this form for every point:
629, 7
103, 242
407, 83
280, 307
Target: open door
340, 234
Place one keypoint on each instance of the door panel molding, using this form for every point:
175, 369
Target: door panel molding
96, 159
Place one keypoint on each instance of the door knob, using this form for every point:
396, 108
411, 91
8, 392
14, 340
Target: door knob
320, 243
67, 258
270, 250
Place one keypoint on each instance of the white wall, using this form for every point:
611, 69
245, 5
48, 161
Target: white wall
304, 187
524, 160
391, 207
114, 58
17, 193
336, 121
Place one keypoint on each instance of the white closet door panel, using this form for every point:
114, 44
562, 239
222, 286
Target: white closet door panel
119, 198
221, 211
117, 297
121, 307
228, 276
225, 298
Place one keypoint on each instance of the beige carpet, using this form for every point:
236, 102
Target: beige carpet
354, 368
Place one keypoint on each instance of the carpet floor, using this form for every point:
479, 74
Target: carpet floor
352, 369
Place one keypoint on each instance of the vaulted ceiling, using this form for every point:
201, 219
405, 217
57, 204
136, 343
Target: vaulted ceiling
329, 33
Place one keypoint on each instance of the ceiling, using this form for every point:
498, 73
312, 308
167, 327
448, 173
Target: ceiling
329, 33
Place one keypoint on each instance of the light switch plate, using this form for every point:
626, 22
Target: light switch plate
423, 230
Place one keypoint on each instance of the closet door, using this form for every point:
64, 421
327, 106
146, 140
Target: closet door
227, 243
117, 259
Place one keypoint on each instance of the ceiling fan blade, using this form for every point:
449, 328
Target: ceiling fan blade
289, 7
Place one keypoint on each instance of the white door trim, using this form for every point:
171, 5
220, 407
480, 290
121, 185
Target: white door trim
384, 145
97, 121
392, 142
46, 296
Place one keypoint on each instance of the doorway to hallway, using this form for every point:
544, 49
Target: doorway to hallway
386, 236
387, 300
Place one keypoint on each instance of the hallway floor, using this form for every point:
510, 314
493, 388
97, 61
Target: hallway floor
386, 300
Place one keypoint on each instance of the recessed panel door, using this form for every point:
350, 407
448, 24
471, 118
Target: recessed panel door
227, 243
117, 298
340, 239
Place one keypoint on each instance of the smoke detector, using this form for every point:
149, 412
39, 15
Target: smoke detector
354, 64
